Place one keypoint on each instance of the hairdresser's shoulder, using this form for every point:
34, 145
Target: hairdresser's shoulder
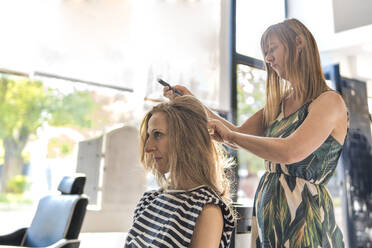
330, 101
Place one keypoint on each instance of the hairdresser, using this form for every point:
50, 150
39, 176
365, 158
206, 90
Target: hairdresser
299, 133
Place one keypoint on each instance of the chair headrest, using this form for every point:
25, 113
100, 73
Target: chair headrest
72, 185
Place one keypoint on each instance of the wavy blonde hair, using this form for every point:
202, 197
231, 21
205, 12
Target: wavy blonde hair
193, 155
303, 68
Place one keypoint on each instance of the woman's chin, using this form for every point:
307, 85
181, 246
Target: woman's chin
280, 74
161, 170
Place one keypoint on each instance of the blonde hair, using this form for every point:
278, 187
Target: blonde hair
304, 70
193, 155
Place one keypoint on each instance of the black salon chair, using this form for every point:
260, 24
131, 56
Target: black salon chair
58, 219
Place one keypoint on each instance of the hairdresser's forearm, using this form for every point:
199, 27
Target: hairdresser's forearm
271, 149
212, 115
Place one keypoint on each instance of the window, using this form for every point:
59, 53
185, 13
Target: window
122, 44
252, 19
251, 97
53, 117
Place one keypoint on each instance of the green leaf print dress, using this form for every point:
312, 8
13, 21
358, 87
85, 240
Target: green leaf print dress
292, 206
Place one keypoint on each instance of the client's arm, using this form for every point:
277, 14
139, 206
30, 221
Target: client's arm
208, 228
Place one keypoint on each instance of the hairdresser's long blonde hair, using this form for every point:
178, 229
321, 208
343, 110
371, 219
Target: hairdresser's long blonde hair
304, 70
193, 155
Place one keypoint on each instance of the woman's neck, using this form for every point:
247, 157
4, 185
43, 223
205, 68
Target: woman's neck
294, 95
184, 184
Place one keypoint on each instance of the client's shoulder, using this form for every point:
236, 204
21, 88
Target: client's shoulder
205, 195
148, 196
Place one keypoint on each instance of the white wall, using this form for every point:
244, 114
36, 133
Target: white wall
349, 14
352, 48
322, 18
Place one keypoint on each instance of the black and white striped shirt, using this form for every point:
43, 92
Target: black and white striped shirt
167, 218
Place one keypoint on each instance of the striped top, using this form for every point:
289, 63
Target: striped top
167, 218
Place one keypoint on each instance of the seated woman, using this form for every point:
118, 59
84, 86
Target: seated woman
191, 208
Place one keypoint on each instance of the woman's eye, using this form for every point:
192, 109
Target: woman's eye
270, 51
157, 134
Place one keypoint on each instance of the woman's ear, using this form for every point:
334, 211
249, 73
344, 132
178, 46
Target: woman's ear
299, 44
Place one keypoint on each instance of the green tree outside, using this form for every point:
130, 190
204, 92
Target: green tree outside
26, 105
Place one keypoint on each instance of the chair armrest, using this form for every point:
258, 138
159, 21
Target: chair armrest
65, 243
14, 238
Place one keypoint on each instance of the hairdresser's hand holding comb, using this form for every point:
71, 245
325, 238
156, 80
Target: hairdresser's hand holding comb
221, 133
170, 94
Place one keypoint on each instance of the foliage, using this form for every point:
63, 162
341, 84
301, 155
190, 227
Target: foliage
25, 106
36, 105
60, 147
1, 154
15, 198
73, 109
251, 98
18, 184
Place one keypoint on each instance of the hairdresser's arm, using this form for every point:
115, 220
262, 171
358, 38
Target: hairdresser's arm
318, 125
251, 126
208, 228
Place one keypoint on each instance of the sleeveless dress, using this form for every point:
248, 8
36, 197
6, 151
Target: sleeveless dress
292, 206
167, 218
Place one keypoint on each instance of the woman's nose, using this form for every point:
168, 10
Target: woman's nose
149, 146
268, 59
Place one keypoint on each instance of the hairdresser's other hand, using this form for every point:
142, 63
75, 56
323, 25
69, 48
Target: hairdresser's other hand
221, 133
168, 93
